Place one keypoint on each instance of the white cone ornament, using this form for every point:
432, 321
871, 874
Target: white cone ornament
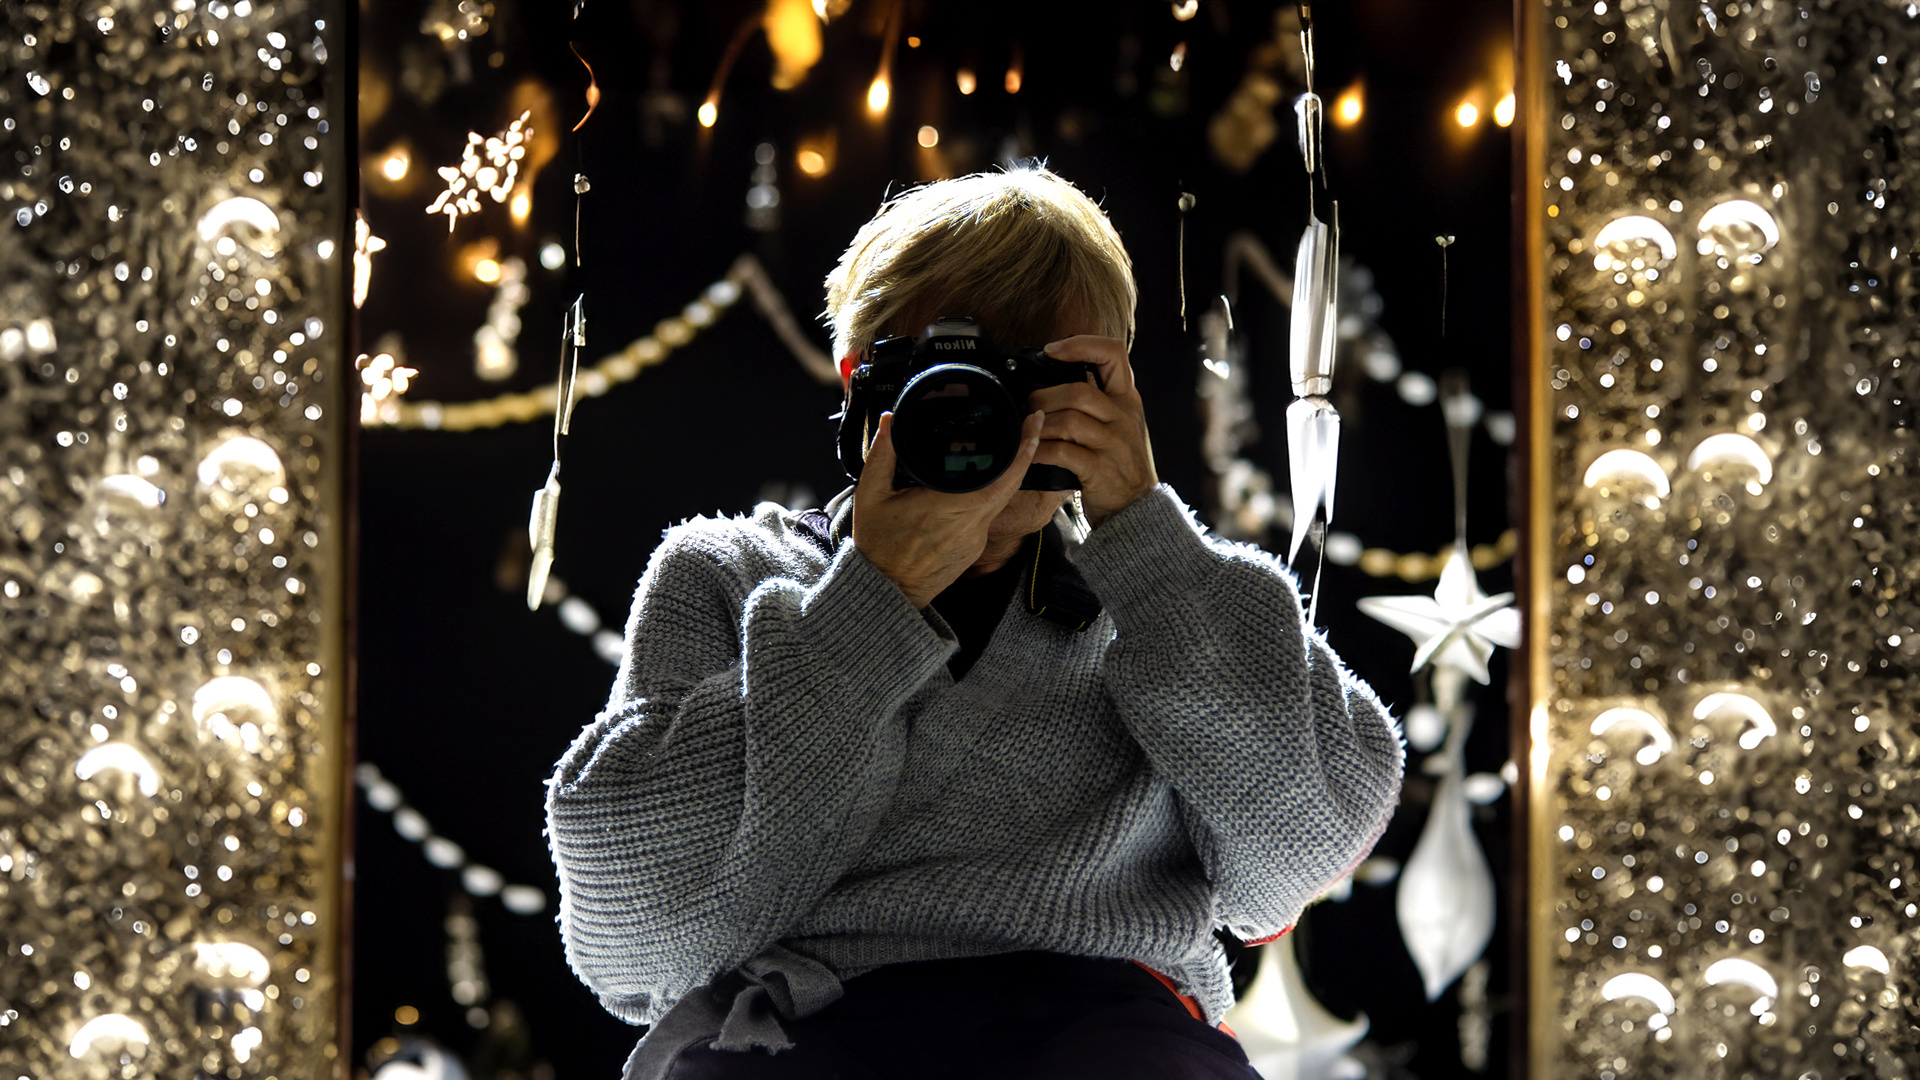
541, 524
1313, 459
543, 520
1446, 900
1286, 1033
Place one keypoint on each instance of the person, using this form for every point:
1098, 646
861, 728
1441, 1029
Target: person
862, 805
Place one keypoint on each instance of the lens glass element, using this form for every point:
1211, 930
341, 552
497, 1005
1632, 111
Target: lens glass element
955, 428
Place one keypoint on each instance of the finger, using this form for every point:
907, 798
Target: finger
998, 493
1074, 426
1108, 354
1076, 459
1084, 397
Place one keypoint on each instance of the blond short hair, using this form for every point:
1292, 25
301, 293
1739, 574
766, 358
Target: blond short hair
1017, 251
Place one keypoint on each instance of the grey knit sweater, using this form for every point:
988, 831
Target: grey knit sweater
786, 769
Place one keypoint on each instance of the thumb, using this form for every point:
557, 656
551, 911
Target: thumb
1001, 490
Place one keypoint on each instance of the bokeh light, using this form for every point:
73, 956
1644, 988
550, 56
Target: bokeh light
1349, 106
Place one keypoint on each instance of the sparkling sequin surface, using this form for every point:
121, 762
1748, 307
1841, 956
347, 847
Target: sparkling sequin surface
1725, 801
171, 410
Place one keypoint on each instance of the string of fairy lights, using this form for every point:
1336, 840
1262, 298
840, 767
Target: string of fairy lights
476, 878
383, 406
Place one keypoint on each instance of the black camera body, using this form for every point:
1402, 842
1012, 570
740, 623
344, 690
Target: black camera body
958, 401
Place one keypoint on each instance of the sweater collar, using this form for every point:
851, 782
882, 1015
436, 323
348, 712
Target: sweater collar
1051, 587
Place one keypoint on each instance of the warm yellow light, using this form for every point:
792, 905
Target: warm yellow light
964, 77
793, 33
877, 95
929, 136
1467, 114
913, 42
709, 112
481, 259
1503, 110
521, 206
406, 1015
1348, 107
1186, 9
815, 153
395, 167
1013, 80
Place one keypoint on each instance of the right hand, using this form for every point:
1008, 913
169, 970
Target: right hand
922, 539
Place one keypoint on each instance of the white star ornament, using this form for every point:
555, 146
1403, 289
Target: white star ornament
1458, 626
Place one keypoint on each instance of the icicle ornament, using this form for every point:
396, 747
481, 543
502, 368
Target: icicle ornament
1313, 424
544, 518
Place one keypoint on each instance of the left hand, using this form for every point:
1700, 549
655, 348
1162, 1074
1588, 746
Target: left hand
1098, 435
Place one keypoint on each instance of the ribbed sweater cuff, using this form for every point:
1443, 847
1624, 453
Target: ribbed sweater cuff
868, 630
1145, 553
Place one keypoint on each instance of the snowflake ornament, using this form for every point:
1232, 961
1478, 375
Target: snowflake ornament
488, 165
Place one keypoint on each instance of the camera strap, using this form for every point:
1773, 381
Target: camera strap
1054, 589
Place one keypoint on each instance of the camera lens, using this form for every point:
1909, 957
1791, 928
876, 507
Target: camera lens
955, 428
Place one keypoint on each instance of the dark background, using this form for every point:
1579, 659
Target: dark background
466, 698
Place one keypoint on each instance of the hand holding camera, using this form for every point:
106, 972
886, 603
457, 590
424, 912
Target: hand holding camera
1097, 430
924, 539
940, 435
958, 401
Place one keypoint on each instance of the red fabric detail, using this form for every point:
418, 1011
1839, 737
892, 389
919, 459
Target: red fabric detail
846, 367
1193, 1007
1274, 938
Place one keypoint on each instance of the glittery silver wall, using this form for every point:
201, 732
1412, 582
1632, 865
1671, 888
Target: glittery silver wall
172, 412
1726, 762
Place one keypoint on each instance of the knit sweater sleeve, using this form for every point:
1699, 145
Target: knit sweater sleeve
750, 743
1286, 766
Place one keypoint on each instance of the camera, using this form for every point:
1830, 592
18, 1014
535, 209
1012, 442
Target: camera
958, 401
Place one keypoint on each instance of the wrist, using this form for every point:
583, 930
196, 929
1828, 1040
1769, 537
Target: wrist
1097, 514
912, 588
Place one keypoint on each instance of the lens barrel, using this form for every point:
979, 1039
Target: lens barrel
955, 428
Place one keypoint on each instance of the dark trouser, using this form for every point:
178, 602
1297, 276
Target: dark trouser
1018, 1016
